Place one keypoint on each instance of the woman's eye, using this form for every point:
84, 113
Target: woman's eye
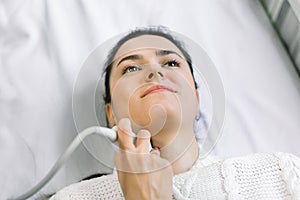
172, 63
131, 69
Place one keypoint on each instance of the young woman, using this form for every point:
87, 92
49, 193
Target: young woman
151, 97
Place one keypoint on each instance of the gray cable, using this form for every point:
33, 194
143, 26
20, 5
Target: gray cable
107, 132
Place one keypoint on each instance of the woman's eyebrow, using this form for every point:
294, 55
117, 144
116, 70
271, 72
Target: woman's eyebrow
131, 57
166, 52
140, 57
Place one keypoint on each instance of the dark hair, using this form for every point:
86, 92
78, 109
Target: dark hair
158, 31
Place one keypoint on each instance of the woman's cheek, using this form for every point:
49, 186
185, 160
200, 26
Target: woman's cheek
183, 79
120, 94
124, 90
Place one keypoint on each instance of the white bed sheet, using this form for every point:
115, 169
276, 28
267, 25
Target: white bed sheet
44, 43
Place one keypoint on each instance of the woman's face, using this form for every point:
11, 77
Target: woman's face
152, 85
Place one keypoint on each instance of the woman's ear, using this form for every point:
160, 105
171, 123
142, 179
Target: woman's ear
110, 115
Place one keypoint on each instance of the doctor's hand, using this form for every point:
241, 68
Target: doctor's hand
142, 174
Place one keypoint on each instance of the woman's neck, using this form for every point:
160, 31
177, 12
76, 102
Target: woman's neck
182, 153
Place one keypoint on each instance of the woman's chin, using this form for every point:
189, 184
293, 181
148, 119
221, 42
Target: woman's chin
154, 114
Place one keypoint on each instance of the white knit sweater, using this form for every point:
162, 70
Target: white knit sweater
257, 176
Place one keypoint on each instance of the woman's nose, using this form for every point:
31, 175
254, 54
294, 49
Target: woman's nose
154, 74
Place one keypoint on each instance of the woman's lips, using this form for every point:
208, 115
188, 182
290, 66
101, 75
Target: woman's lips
157, 88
